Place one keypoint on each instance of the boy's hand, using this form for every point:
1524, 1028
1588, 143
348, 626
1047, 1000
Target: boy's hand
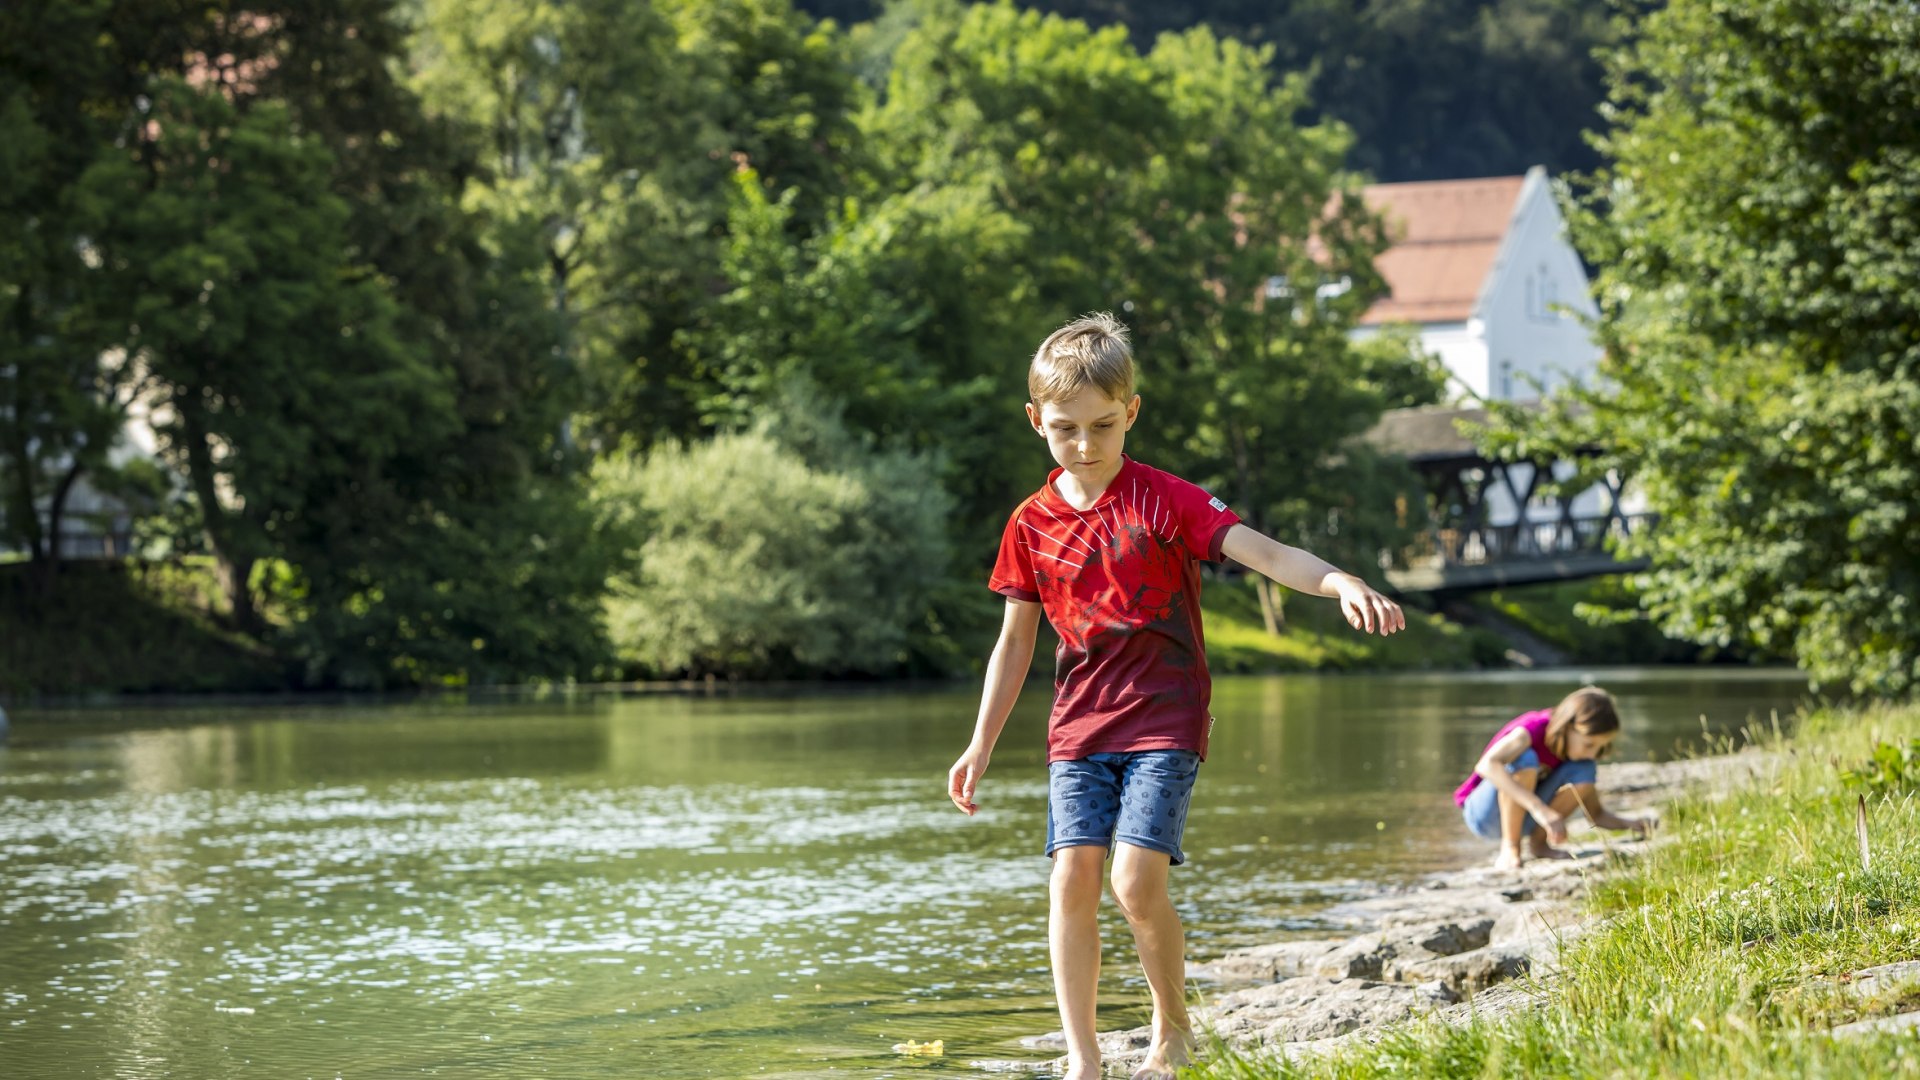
1366, 609
964, 778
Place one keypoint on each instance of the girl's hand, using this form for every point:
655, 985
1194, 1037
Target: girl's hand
1642, 827
1555, 826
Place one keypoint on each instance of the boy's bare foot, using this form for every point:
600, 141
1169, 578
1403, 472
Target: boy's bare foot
1080, 1070
1162, 1060
1508, 859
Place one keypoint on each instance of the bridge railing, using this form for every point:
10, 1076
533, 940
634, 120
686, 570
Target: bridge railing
1483, 545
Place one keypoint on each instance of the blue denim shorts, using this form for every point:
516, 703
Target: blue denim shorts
1139, 798
1482, 810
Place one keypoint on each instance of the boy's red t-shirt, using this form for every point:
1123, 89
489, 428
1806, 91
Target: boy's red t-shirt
1120, 582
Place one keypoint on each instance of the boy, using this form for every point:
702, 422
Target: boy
1109, 549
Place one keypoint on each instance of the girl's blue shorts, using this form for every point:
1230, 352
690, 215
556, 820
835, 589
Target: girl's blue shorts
1482, 809
1139, 798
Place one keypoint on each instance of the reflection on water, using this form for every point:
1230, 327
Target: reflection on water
609, 886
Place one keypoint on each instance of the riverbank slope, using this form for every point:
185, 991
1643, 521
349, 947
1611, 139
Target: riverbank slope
1753, 937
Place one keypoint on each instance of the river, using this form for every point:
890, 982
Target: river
741, 885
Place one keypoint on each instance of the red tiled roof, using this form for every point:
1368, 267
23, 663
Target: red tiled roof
1445, 236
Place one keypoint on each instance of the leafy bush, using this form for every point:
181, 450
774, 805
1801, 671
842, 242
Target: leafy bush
1891, 768
754, 558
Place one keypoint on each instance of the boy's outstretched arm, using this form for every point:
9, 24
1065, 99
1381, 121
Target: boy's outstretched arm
1007, 670
1303, 571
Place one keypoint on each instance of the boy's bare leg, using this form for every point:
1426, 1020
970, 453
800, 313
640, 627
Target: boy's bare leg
1570, 799
1513, 818
1140, 887
1073, 938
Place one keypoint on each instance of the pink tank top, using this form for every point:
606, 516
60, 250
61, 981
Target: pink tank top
1535, 724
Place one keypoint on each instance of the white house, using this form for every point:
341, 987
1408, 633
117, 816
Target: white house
1485, 271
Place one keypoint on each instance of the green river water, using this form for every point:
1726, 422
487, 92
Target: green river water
606, 885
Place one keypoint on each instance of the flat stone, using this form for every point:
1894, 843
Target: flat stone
1908, 1021
1470, 972
1266, 963
1111, 1042
1311, 1008
1002, 1065
1878, 980
1456, 936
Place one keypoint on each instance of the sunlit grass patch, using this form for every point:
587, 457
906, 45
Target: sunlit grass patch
1317, 637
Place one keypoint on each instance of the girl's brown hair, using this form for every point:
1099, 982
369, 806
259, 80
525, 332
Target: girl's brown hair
1588, 710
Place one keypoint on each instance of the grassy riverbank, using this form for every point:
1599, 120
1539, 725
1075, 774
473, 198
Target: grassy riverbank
113, 627
1317, 638
156, 627
1727, 951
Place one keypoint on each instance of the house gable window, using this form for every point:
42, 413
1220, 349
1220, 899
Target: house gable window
1542, 294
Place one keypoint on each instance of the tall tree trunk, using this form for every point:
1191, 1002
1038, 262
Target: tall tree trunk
1271, 608
235, 566
48, 569
22, 515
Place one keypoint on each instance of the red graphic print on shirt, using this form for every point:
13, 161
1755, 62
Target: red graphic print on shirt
1120, 583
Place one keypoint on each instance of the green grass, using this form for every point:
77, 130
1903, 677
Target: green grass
1316, 637
116, 627
1725, 947
1551, 612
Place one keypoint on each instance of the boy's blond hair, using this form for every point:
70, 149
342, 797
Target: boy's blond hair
1089, 351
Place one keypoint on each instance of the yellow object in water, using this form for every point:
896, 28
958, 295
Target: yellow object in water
936, 1048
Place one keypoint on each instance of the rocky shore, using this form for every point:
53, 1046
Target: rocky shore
1458, 944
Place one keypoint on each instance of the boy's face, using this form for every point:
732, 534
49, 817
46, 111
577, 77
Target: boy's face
1086, 432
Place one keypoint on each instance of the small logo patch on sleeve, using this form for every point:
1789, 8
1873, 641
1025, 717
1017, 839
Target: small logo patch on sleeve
1216, 504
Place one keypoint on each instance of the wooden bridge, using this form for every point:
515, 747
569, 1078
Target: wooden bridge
1492, 523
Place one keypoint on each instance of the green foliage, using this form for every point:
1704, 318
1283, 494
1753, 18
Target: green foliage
1319, 639
1758, 244
60, 398
1890, 769
610, 129
239, 219
1598, 621
125, 627
1072, 174
1393, 72
774, 552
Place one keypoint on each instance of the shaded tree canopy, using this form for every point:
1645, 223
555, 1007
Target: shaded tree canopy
1758, 229
1433, 89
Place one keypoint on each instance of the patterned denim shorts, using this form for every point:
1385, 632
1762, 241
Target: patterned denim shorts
1138, 798
1482, 808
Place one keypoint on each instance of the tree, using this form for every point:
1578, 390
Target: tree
1432, 89
1758, 232
272, 359
1174, 188
788, 549
612, 128
260, 225
62, 392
